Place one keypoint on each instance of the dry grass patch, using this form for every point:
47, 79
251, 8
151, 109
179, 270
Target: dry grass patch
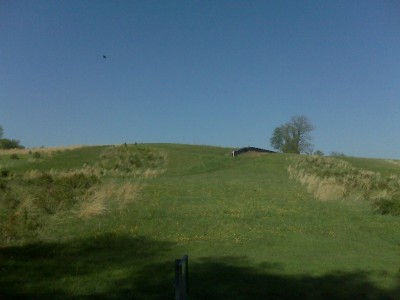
152, 173
100, 199
393, 161
322, 188
95, 201
45, 150
326, 177
331, 178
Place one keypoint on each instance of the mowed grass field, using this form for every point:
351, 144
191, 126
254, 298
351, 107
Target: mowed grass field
107, 222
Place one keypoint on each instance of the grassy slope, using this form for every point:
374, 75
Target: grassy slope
249, 231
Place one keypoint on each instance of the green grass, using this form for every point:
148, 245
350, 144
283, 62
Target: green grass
250, 233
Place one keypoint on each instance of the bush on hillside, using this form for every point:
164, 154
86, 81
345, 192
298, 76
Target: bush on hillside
36, 155
337, 154
5, 173
10, 144
387, 206
28, 201
53, 194
331, 178
125, 159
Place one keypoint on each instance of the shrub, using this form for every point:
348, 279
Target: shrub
5, 173
3, 185
53, 194
36, 155
124, 159
10, 144
387, 206
29, 200
14, 156
337, 154
318, 153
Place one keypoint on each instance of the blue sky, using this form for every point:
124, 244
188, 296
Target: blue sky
222, 73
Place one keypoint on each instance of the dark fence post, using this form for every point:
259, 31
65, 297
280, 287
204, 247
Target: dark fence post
181, 278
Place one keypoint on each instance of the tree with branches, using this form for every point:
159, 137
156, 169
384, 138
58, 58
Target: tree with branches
293, 136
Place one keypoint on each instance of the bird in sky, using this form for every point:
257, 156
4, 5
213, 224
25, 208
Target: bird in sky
105, 57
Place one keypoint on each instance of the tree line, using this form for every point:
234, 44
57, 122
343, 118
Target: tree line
9, 143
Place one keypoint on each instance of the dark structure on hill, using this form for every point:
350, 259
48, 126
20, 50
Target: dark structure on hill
250, 149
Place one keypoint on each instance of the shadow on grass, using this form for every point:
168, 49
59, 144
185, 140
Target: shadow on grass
121, 267
235, 278
86, 269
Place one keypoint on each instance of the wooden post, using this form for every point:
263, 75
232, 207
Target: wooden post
181, 278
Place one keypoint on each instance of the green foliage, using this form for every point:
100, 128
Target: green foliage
125, 159
30, 201
36, 155
10, 144
294, 136
5, 173
337, 154
386, 206
53, 194
318, 153
14, 156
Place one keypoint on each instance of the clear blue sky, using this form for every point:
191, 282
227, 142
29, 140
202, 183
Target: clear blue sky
222, 73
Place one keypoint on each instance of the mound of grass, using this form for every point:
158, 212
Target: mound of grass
332, 178
128, 160
28, 202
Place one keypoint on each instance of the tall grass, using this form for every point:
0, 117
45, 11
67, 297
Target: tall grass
101, 197
332, 178
125, 158
28, 202
43, 150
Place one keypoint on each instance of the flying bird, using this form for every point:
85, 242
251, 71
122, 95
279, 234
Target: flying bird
105, 57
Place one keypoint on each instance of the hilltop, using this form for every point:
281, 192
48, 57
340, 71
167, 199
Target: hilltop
108, 222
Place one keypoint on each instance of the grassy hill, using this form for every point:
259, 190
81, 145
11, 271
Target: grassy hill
107, 222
